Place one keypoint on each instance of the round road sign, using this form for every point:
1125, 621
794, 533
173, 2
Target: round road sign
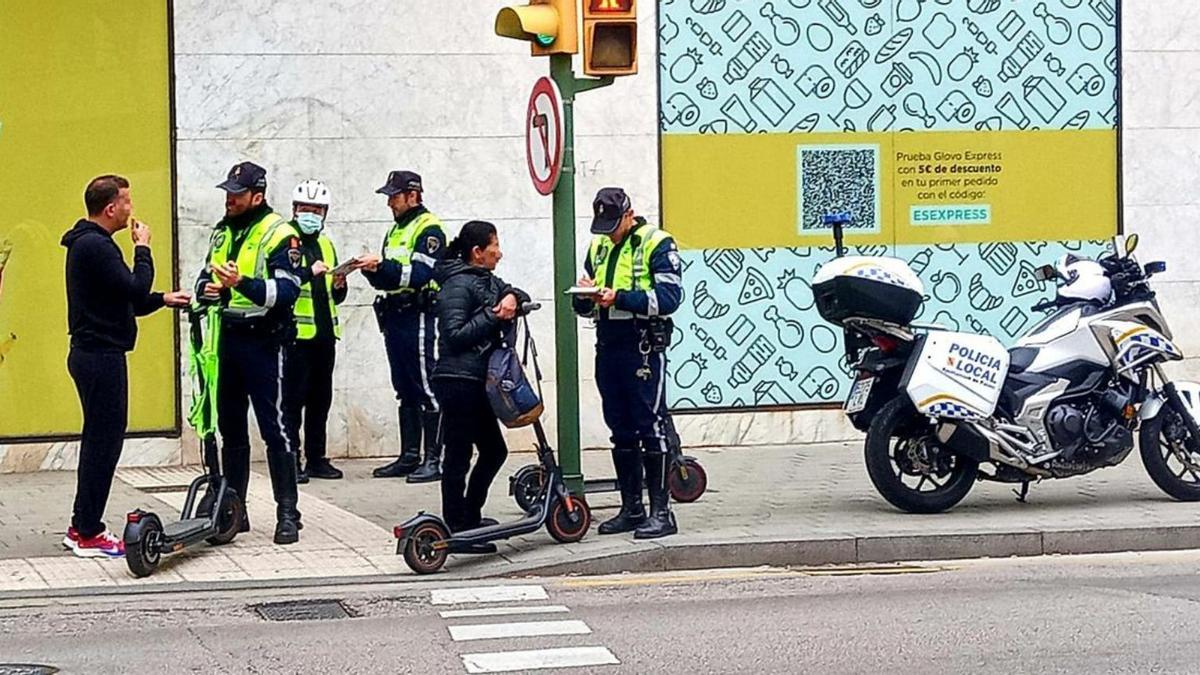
544, 135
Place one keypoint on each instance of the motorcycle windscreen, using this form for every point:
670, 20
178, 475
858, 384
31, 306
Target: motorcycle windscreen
957, 375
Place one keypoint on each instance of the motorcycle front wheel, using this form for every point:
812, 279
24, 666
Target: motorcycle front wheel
1172, 467
909, 467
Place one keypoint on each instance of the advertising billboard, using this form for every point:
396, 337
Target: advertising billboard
974, 139
84, 91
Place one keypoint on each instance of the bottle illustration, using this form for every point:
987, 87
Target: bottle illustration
760, 351
747, 57
1026, 50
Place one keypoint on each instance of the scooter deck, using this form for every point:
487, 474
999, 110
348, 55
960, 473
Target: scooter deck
182, 528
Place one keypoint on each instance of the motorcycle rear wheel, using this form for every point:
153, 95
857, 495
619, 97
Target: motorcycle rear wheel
901, 444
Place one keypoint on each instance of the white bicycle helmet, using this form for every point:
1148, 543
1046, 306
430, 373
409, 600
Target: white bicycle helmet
311, 192
1083, 280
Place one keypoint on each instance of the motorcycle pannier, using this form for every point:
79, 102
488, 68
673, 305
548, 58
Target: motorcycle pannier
867, 288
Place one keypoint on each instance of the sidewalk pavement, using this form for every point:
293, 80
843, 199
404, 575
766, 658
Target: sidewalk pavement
806, 505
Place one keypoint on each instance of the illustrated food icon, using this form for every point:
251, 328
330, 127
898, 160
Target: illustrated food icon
755, 288
759, 352
1026, 283
689, 371
726, 262
981, 298
706, 305
789, 331
983, 6
795, 290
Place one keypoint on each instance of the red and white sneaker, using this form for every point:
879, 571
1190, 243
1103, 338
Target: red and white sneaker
103, 545
71, 541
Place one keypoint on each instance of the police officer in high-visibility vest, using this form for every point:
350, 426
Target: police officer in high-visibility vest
404, 272
308, 384
636, 270
253, 270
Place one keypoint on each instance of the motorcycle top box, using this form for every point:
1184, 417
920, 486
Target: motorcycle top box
879, 288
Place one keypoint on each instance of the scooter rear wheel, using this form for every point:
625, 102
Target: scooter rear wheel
143, 545
229, 520
687, 480
419, 552
527, 486
560, 524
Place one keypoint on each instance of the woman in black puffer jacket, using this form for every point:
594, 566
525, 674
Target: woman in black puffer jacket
474, 307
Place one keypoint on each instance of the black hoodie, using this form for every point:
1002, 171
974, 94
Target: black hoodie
103, 295
467, 327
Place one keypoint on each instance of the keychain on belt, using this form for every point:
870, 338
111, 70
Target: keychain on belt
644, 372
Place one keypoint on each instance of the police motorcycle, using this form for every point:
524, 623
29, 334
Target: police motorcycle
943, 409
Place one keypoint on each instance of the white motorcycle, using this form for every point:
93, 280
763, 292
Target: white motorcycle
942, 409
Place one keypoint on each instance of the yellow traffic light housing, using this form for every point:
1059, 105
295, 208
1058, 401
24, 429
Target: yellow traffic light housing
550, 26
610, 37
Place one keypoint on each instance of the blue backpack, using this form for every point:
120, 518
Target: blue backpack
515, 400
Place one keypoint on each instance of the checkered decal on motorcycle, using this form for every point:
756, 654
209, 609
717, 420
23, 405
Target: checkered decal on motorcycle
879, 274
1141, 345
951, 410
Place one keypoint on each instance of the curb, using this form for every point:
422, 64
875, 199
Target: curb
665, 556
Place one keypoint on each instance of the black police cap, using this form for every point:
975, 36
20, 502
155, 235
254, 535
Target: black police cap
245, 176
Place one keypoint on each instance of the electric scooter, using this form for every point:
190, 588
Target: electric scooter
686, 481
146, 538
425, 540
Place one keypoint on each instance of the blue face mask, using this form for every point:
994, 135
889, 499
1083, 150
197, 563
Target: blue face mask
309, 223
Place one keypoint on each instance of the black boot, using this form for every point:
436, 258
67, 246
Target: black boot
628, 463
282, 468
301, 475
321, 468
661, 522
431, 469
410, 446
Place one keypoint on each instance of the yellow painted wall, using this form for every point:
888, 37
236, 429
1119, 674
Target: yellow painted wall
84, 90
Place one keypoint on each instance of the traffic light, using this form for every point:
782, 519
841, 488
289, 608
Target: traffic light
610, 37
551, 26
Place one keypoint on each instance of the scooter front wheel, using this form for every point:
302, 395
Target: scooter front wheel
143, 545
421, 551
569, 525
229, 519
687, 480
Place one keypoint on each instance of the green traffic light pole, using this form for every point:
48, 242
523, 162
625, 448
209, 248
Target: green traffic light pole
566, 338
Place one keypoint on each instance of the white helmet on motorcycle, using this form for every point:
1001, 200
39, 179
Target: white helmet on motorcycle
1084, 280
311, 192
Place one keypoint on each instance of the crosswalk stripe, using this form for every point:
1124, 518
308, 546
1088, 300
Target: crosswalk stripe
503, 611
490, 631
534, 659
459, 596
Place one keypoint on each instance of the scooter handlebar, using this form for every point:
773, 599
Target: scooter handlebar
530, 307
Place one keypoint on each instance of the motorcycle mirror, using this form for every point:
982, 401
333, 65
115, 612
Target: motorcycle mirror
1131, 244
1045, 273
1153, 268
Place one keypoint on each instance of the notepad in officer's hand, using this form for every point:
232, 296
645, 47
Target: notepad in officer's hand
347, 267
583, 290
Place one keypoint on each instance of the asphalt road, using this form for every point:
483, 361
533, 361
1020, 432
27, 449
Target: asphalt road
1128, 613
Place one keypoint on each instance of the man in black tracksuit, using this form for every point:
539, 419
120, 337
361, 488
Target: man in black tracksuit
103, 299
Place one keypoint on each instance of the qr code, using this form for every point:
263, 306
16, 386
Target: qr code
838, 179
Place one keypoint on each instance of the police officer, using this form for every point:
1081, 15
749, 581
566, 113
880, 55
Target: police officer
404, 272
308, 385
253, 267
637, 274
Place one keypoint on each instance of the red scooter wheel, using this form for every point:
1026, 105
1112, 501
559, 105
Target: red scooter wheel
422, 551
687, 481
569, 525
